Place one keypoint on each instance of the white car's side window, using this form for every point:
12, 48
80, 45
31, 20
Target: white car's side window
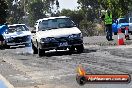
43, 25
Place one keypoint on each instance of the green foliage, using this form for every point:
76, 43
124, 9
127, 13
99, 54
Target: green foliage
90, 8
119, 8
36, 10
15, 11
39, 8
3, 11
92, 11
87, 28
77, 16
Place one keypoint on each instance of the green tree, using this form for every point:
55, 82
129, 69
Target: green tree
90, 8
39, 8
77, 15
15, 11
36, 11
119, 8
3, 11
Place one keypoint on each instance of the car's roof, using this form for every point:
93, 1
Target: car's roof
51, 18
16, 24
56, 17
130, 17
121, 18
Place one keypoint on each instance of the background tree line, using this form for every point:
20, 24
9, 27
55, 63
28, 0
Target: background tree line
86, 16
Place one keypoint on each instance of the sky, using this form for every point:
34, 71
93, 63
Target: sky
68, 4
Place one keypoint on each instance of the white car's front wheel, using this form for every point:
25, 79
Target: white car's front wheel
41, 52
80, 48
35, 50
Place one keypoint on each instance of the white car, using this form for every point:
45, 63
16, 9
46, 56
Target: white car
57, 33
17, 34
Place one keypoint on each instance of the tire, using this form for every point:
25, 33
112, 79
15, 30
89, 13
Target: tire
80, 48
35, 50
41, 52
81, 80
115, 33
71, 49
7, 47
131, 33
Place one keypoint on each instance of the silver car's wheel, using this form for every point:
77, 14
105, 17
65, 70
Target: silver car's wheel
71, 49
6, 46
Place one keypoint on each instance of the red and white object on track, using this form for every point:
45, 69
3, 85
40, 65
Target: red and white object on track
120, 37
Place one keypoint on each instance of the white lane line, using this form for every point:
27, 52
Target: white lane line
6, 82
60, 76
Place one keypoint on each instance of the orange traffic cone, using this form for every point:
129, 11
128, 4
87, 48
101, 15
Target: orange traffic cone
120, 38
126, 34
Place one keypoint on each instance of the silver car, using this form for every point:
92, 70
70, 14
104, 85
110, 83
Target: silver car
17, 34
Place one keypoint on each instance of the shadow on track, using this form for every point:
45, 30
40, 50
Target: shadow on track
66, 52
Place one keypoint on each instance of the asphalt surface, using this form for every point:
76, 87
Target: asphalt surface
59, 69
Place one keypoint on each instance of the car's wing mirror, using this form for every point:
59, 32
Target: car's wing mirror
75, 25
33, 31
6, 32
116, 22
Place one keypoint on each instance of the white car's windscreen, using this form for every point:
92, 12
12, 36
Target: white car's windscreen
123, 21
56, 23
17, 28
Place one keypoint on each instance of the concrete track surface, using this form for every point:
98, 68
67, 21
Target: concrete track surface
58, 69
